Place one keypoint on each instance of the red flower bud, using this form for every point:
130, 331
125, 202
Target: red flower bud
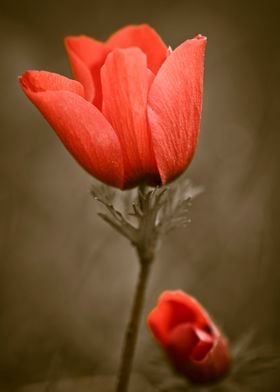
192, 341
133, 114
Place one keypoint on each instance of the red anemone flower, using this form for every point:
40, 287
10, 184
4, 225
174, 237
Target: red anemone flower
192, 341
133, 112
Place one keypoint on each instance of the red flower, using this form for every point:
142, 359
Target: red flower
192, 341
133, 114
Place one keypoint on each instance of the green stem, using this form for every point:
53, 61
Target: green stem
131, 334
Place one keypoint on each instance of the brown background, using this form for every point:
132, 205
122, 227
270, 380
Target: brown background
66, 278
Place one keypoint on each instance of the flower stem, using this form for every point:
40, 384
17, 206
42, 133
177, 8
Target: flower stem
132, 328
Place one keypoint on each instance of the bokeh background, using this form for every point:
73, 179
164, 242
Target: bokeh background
66, 279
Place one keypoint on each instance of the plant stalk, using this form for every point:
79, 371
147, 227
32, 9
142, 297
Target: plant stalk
132, 328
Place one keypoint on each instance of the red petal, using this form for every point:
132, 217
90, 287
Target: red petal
188, 343
143, 37
181, 342
203, 346
211, 366
200, 357
175, 107
86, 56
125, 83
175, 308
81, 127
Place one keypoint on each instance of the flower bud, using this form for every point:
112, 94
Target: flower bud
192, 341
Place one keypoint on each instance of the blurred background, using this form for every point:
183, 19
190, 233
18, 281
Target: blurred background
66, 279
